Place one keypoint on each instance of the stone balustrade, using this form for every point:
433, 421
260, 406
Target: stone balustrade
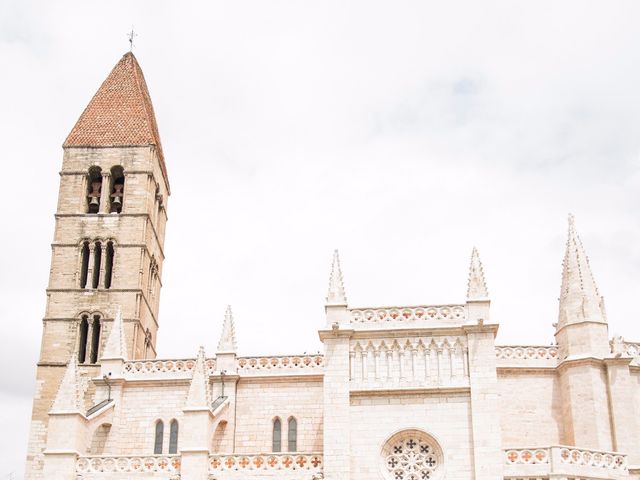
564, 460
281, 365
408, 315
281, 462
526, 356
182, 368
122, 464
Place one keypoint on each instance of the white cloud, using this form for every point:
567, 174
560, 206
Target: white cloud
401, 132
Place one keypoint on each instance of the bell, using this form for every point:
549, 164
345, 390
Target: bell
94, 201
116, 201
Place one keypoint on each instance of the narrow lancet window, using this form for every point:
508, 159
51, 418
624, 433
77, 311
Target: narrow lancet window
173, 437
82, 340
84, 267
97, 260
292, 435
117, 189
95, 339
94, 189
277, 435
108, 265
157, 444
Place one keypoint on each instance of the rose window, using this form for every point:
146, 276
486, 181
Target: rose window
411, 455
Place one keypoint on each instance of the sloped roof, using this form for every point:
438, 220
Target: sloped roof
120, 113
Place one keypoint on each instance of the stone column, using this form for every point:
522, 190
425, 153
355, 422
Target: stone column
336, 400
485, 415
103, 262
105, 192
622, 396
90, 266
66, 439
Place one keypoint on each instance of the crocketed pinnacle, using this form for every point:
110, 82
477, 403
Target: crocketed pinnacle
227, 341
199, 395
69, 398
120, 113
477, 286
579, 297
116, 346
336, 294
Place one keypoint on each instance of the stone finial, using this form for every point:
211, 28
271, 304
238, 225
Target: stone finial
227, 341
579, 297
199, 395
116, 346
336, 295
477, 286
70, 396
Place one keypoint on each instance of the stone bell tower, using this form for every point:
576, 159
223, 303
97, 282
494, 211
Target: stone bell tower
108, 245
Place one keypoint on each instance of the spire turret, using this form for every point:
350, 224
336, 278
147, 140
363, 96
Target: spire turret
579, 297
477, 286
116, 347
227, 341
199, 395
69, 398
336, 295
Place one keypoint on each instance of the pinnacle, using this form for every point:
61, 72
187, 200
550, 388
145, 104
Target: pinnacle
336, 294
199, 396
579, 296
477, 286
227, 341
69, 398
116, 346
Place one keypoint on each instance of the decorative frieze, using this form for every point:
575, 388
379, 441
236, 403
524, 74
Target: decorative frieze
281, 365
455, 313
527, 356
122, 464
142, 369
275, 461
409, 362
556, 460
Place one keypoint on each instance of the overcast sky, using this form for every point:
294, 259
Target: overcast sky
401, 132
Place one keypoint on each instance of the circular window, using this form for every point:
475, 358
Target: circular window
411, 455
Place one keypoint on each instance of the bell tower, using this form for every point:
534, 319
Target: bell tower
108, 243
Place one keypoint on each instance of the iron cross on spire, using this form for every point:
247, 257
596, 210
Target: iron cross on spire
131, 35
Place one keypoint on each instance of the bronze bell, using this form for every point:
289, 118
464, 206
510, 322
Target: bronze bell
116, 201
94, 201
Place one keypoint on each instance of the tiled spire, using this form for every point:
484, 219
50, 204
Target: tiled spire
477, 286
579, 297
116, 346
199, 395
120, 113
227, 341
69, 398
336, 295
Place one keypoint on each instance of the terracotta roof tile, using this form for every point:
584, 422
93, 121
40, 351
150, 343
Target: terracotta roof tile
120, 113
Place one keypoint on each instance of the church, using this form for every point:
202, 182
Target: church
405, 392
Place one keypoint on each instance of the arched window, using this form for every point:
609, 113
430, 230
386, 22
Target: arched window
292, 435
84, 267
82, 340
95, 338
116, 195
173, 436
97, 260
108, 265
157, 444
94, 189
277, 435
